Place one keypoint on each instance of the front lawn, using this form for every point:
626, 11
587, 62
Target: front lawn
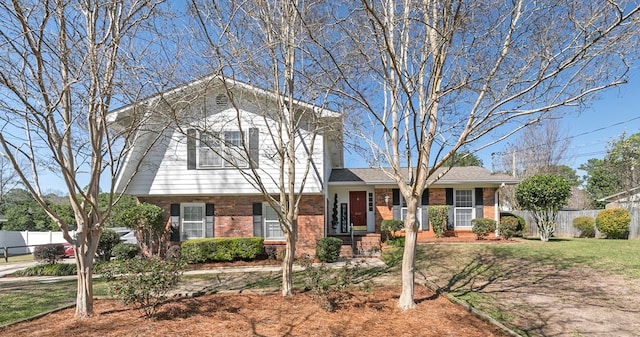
540, 288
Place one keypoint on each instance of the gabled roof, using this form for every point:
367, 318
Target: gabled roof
621, 195
453, 175
212, 81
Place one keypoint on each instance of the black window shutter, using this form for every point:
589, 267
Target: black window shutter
396, 196
191, 149
257, 219
425, 197
479, 197
449, 196
254, 146
175, 210
208, 211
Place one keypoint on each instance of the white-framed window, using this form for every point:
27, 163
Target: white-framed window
464, 210
272, 230
193, 221
403, 211
221, 149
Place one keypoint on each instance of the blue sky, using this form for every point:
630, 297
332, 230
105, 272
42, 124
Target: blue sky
611, 113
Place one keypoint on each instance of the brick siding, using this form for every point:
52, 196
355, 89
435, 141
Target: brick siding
233, 217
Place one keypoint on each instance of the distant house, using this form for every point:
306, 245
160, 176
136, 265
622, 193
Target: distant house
624, 199
204, 197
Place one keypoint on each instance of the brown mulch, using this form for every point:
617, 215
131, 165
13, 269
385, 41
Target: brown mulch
359, 314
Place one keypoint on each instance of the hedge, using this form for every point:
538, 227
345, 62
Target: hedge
222, 249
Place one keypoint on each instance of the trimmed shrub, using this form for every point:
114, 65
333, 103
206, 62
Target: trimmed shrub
48, 253
522, 223
586, 226
509, 227
108, 239
438, 218
483, 227
125, 251
328, 249
614, 223
221, 249
391, 226
143, 282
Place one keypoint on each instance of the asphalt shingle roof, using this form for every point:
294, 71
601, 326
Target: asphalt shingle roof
454, 175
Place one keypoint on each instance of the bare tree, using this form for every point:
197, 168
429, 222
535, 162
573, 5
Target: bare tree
261, 42
8, 179
540, 148
63, 66
433, 76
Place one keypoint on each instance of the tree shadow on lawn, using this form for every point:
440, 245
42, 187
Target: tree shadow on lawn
498, 282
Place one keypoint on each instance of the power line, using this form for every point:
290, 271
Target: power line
574, 136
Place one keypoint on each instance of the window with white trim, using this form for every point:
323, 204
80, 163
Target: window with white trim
272, 230
404, 210
464, 210
221, 149
193, 221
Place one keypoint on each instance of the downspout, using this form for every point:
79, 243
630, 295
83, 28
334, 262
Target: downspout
496, 208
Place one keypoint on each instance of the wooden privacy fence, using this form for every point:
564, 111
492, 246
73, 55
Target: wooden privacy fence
565, 227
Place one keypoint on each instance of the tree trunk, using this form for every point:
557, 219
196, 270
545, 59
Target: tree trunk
408, 257
84, 295
287, 264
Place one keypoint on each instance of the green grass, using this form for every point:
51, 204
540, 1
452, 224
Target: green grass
16, 259
20, 300
614, 256
481, 274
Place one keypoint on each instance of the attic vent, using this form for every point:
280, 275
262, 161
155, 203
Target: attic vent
222, 100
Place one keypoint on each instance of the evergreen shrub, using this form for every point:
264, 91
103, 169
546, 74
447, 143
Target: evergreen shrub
614, 223
221, 249
482, 227
586, 226
328, 249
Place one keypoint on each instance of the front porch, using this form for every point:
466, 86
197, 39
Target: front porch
359, 244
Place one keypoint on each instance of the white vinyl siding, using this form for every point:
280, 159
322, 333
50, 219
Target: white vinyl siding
272, 230
164, 170
193, 221
464, 210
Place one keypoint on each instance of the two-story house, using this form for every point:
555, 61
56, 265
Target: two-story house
179, 166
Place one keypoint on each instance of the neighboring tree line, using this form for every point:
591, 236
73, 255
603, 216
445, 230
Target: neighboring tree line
616, 172
542, 148
23, 213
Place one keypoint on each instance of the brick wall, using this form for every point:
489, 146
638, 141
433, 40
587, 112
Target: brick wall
382, 210
233, 217
437, 196
488, 202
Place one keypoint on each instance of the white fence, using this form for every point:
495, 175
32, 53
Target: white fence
25, 241
565, 227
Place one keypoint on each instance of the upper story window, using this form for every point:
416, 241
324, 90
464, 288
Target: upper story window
224, 149
221, 149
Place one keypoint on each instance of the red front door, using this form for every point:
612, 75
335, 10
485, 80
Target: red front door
358, 208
